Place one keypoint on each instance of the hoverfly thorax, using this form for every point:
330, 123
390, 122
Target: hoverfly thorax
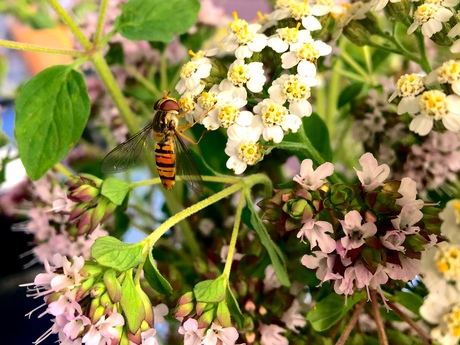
171, 156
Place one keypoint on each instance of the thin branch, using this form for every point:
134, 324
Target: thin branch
378, 319
354, 318
40, 49
426, 337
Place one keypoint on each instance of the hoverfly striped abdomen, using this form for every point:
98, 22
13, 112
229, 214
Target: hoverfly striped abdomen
165, 158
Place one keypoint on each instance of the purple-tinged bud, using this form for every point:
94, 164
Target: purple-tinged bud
84, 193
223, 315
200, 307
97, 289
106, 302
85, 288
78, 210
135, 338
95, 303
185, 305
295, 208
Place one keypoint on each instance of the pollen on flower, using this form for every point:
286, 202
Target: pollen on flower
208, 99
238, 74
453, 321
249, 152
273, 114
187, 102
447, 259
432, 103
308, 52
457, 211
240, 28
300, 10
228, 115
289, 35
188, 69
425, 12
449, 72
410, 85
296, 90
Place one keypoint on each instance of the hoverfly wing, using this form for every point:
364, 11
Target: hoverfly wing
186, 167
128, 153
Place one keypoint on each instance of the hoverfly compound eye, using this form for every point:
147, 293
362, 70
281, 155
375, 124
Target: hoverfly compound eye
169, 105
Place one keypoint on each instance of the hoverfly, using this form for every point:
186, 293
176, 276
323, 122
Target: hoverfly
171, 155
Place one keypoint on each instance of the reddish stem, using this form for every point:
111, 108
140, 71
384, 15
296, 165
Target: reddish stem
343, 338
378, 319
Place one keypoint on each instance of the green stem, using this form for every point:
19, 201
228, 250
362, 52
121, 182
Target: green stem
144, 81
151, 239
100, 22
40, 49
348, 59
424, 61
68, 21
63, 170
109, 81
163, 72
232, 244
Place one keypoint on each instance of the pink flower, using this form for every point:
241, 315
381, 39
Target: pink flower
355, 231
393, 240
317, 234
220, 335
270, 335
192, 335
323, 263
104, 330
407, 219
408, 190
310, 178
65, 305
293, 317
373, 174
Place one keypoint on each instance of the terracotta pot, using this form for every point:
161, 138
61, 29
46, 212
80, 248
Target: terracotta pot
59, 37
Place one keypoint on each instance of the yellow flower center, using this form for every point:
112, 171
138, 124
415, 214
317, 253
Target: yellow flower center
308, 52
207, 99
187, 103
188, 69
289, 35
457, 212
300, 10
238, 75
273, 114
410, 85
432, 103
425, 12
295, 90
452, 320
249, 152
447, 259
228, 115
240, 28
449, 72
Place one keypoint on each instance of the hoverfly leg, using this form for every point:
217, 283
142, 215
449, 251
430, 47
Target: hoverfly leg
190, 140
190, 125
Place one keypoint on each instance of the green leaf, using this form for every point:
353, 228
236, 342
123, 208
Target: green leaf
409, 300
313, 128
211, 291
327, 312
111, 252
115, 190
51, 112
252, 219
157, 20
234, 307
131, 304
349, 93
154, 277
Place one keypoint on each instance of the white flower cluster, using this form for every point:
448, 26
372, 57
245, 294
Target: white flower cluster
255, 103
441, 274
430, 106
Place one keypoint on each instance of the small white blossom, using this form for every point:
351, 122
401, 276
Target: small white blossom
305, 56
243, 148
241, 74
227, 113
199, 67
430, 17
244, 39
303, 12
275, 120
434, 105
408, 87
294, 89
448, 72
284, 37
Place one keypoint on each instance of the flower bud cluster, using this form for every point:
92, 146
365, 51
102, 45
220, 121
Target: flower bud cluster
357, 236
91, 208
88, 303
